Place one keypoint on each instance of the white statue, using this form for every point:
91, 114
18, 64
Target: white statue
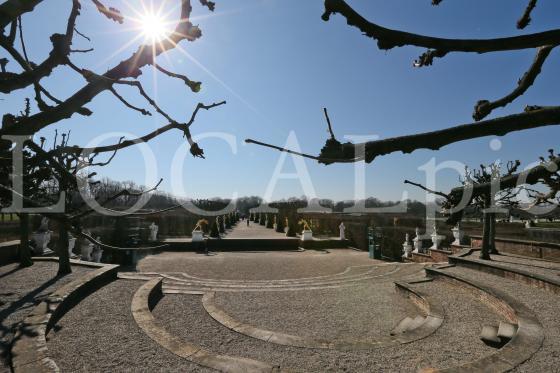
153, 231
495, 170
44, 227
86, 248
407, 247
97, 251
342, 229
71, 244
41, 238
417, 241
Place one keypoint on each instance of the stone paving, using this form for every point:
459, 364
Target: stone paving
20, 290
275, 311
253, 231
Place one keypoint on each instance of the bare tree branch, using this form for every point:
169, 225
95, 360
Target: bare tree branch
441, 194
60, 50
145, 138
433, 140
485, 107
12, 9
438, 47
111, 13
526, 17
194, 86
127, 104
129, 68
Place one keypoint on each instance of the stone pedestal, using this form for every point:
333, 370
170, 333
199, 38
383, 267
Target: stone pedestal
407, 247
97, 254
458, 234
197, 236
436, 241
71, 245
307, 235
40, 241
86, 250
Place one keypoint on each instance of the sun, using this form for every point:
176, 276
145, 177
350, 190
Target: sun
154, 27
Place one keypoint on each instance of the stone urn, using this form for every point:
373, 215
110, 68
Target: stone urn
458, 234
436, 239
40, 241
86, 250
71, 245
307, 235
407, 247
197, 236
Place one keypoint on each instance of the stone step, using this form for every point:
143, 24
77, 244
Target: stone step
489, 335
402, 326
506, 330
416, 322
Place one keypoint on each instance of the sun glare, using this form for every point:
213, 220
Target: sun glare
154, 27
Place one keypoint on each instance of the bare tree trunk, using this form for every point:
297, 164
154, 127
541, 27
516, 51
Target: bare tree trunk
486, 228
492, 235
486, 231
63, 257
24, 250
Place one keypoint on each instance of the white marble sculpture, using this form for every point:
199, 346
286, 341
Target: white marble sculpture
153, 231
407, 247
86, 250
42, 237
458, 234
71, 245
97, 251
86, 247
342, 229
417, 241
40, 241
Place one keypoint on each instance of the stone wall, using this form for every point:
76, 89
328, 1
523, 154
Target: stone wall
535, 249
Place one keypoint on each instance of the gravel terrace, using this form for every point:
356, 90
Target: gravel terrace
325, 313
544, 304
22, 289
539, 267
271, 265
100, 335
455, 342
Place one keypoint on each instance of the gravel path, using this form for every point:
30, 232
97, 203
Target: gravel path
270, 265
326, 313
546, 307
454, 343
253, 231
22, 289
100, 335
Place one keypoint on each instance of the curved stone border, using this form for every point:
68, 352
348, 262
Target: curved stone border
533, 279
175, 287
429, 326
29, 350
145, 299
202, 286
521, 347
433, 310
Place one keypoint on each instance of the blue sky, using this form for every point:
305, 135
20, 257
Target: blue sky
278, 64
